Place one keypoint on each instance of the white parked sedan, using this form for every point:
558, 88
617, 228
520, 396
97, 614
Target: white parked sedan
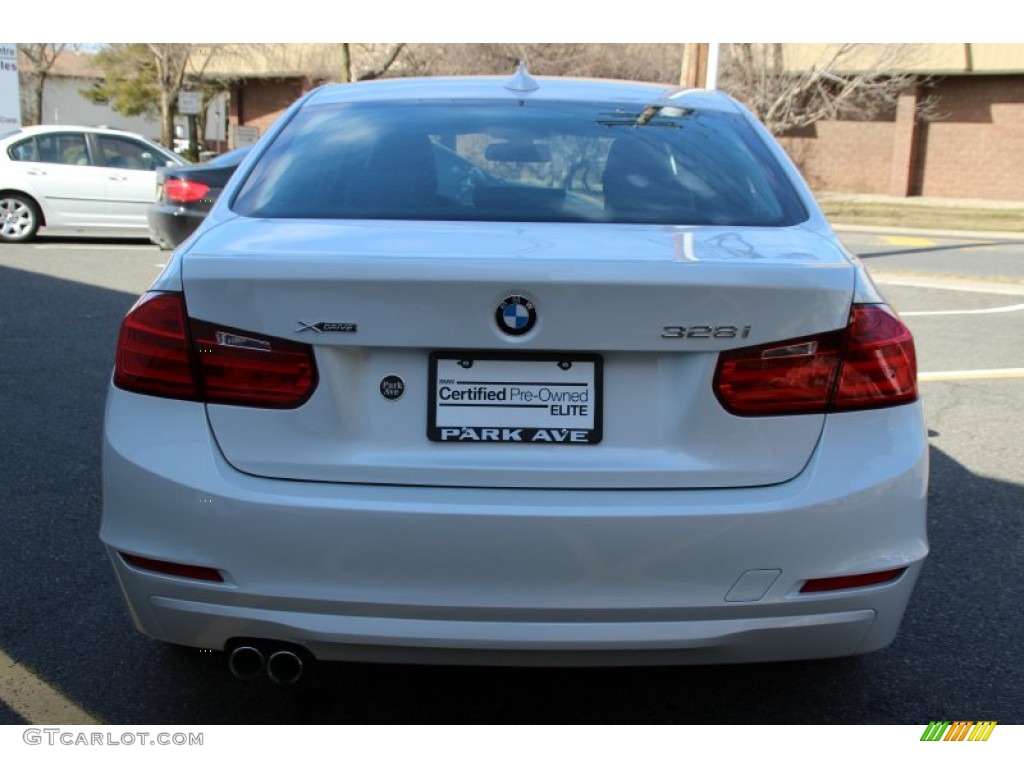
73, 180
605, 390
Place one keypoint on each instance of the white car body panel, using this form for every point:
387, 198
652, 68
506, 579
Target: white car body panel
684, 536
590, 283
363, 572
130, 194
68, 193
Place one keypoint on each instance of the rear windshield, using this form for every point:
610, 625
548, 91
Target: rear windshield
514, 161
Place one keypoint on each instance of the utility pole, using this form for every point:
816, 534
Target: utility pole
699, 65
694, 70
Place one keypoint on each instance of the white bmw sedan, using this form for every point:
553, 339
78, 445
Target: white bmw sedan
75, 180
515, 371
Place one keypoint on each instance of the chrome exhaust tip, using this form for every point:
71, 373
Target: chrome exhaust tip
284, 667
246, 662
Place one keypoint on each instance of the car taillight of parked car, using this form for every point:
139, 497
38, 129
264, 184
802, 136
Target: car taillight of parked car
185, 191
869, 364
160, 351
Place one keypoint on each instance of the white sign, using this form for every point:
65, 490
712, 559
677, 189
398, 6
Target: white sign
551, 399
246, 135
10, 93
188, 103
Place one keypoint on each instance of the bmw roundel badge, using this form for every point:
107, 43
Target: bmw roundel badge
516, 315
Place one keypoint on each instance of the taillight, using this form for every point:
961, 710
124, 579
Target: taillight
880, 363
185, 191
153, 351
869, 364
242, 368
161, 352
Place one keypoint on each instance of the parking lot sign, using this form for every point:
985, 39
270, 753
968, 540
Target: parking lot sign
188, 103
10, 94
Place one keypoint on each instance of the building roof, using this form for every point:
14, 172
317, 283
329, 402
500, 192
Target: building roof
245, 60
923, 58
72, 64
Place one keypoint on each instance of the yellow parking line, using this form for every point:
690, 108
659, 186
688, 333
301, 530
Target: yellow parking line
991, 373
35, 700
911, 242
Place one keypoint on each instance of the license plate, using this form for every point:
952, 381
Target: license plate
532, 398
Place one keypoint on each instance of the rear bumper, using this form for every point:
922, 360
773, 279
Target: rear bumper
543, 643
391, 573
170, 226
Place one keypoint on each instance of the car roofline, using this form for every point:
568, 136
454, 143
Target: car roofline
34, 129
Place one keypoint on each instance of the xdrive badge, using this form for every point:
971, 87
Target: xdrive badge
325, 327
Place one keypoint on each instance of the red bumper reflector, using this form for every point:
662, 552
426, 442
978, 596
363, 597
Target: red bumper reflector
851, 582
173, 569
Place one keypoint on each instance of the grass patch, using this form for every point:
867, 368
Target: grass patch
924, 216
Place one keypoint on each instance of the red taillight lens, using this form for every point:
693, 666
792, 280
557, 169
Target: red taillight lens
880, 364
783, 378
184, 191
153, 350
160, 352
870, 364
242, 368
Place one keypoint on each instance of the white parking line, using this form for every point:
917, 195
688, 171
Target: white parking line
967, 285
990, 311
991, 373
83, 247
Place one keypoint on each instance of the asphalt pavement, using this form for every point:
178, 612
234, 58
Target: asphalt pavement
64, 622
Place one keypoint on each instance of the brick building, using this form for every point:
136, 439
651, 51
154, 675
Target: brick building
266, 78
973, 147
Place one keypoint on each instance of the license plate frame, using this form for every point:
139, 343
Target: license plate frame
548, 398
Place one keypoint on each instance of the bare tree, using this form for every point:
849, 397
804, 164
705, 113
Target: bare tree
176, 64
146, 78
850, 80
495, 58
625, 61
373, 64
41, 58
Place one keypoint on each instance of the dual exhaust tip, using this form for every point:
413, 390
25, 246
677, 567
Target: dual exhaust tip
282, 666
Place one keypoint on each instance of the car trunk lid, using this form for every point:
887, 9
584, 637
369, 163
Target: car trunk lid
639, 314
